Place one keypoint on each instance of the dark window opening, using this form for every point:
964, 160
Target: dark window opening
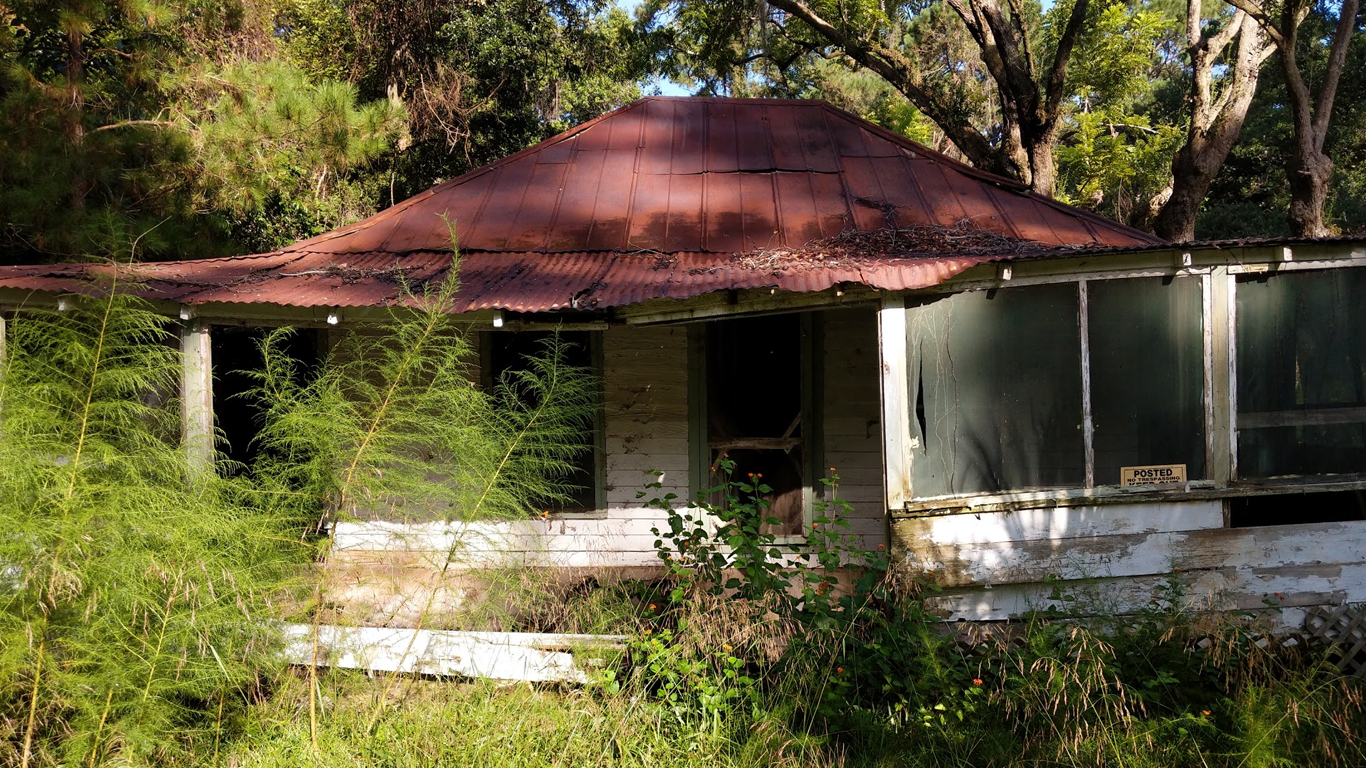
1302, 374
506, 351
1297, 508
236, 352
755, 409
1147, 375
996, 379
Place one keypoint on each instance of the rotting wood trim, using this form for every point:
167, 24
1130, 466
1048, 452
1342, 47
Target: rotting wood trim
1209, 591
1088, 434
1142, 554
517, 656
1164, 263
1302, 417
759, 301
1196, 491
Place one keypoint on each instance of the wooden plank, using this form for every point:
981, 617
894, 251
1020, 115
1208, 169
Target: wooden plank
1060, 523
896, 428
196, 394
1140, 554
1225, 589
493, 655
1088, 426
1223, 286
440, 536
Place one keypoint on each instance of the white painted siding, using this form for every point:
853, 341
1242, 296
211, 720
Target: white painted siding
852, 424
998, 565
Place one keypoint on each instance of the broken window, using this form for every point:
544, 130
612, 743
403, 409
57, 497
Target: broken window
235, 353
505, 351
995, 380
1147, 374
1301, 359
757, 409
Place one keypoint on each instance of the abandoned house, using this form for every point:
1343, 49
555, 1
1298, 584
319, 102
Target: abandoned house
1016, 393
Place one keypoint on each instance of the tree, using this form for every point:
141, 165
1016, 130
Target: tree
1120, 133
135, 129
1215, 119
480, 80
1309, 168
1024, 57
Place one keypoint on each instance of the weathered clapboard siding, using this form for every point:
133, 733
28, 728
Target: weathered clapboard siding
646, 412
998, 565
852, 430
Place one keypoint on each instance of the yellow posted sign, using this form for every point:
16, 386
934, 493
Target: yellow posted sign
1153, 474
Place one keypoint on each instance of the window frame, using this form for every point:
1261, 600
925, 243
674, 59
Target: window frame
599, 427
1219, 276
1089, 485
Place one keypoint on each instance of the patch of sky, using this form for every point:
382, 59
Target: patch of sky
655, 86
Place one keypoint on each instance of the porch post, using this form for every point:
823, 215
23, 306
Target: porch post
896, 425
196, 394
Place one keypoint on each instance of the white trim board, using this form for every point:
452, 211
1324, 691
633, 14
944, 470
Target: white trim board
523, 656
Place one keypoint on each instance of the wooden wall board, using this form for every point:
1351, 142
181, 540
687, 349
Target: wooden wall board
1058, 523
1140, 554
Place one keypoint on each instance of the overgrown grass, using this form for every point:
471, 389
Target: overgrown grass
1301, 719
736, 661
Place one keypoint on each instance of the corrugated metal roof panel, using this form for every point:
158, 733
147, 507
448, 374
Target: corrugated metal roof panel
662, 198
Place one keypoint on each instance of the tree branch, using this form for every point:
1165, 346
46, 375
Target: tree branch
900, 73
1256, 12
1057, 73
1337, 59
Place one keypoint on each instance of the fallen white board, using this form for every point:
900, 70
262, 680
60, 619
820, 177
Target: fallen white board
494, 655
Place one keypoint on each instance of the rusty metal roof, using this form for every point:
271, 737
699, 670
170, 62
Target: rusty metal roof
666, 197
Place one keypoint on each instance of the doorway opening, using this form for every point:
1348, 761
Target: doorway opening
759, 410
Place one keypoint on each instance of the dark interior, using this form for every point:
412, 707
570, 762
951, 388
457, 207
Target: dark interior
236, 351
754, 407
1297, 508
512, 350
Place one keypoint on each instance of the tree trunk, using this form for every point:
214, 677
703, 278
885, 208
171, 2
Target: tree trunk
1043, 174
1309, 171
1215, 124
74, 119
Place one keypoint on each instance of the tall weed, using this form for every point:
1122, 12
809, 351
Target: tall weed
134, 594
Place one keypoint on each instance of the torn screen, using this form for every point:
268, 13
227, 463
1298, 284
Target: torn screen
996, 382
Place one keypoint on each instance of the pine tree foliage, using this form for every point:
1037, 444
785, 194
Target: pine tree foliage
133, 598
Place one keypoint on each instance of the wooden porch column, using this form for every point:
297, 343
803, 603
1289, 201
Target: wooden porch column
896, 425
196, 394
